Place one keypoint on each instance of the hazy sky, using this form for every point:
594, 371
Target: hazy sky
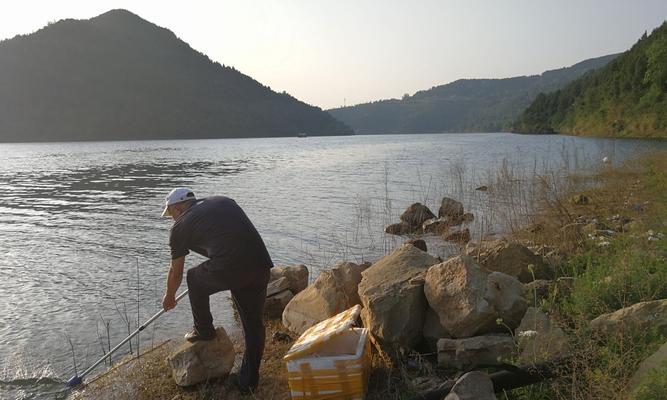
328, 52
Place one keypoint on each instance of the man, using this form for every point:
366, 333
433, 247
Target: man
217, 228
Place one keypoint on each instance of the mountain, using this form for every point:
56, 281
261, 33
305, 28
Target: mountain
625, 98
117, 77
466, 105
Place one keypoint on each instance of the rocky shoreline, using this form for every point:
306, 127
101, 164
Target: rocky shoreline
473, 311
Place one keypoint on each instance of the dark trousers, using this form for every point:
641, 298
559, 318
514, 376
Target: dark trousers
248, 288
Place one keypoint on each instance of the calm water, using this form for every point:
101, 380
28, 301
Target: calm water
81, 233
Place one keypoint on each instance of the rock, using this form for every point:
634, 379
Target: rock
334, 291
655, 361
455, 290
594, 227
645, 316
418, 243
475, 385
514, 259
436, 226
277, 286
392, 294
433, 329
540, 339
401, 228
416, 214
461, 236
192, 363
476, 248
467, 218
580, 200
450, 208
506, 295
296, 275
465, 354
275, 304
482, 188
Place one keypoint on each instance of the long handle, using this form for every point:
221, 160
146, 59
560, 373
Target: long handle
127, 339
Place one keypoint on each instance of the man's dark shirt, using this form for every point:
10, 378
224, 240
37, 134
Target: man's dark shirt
217, 228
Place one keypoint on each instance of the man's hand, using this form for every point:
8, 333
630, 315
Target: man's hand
168, 302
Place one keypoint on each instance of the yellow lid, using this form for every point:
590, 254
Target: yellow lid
322, 332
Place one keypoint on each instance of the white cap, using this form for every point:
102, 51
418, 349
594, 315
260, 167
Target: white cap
177, 195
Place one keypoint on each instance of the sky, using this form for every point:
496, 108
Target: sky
344, 52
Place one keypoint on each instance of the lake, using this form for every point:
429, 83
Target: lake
85, 249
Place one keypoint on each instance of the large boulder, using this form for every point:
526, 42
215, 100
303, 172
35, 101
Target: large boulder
514, 259
192, 363
645, 316
450, 208
469, 299
471, 352
475, 385
333, 292
540, 339
296, 276
416, 214
507, 296
392, 293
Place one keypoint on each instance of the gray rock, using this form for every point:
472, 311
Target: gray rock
506, 295
455, 290
436, 226
433, 330
334, 291
471, 352
450, 208
469, 299
392, 294
459, 235
275, 304
475, 385
645, 316
277, 286
418, 243
656, 361
401, 228
416, 214
514, 259
540, 339
192, 363
296, 275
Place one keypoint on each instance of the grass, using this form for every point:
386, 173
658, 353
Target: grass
610, 273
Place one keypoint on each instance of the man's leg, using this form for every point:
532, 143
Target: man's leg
201, 286
249, 302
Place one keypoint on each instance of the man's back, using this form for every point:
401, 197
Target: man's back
217, 228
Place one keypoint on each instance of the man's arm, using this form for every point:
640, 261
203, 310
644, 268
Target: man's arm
174, 279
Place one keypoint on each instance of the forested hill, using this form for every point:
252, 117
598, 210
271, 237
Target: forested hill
626, 98
117, 76
466, 105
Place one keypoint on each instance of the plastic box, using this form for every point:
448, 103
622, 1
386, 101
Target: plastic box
330, 360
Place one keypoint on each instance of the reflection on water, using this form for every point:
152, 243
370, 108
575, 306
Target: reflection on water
82, 237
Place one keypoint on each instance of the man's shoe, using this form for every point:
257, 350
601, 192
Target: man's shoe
194, 335
234, 379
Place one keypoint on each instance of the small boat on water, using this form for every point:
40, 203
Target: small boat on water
302, 135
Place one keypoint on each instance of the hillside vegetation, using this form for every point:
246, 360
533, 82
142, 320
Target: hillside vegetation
466, 105
626, 98
117, 76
